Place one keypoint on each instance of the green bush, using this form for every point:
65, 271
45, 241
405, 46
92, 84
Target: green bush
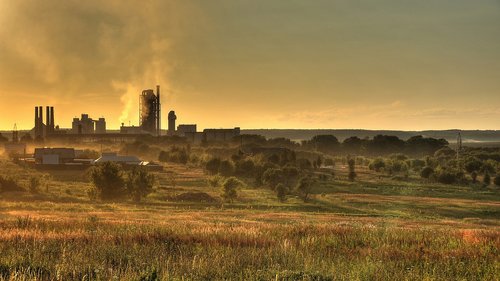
487, 179
272, 177
447, 176
496, 181
304, 187
281, 192
34, 184
377, 164
109, 181
427, 172
352, 166
140, 183
226, 168
212, 165
229, 188
214, 181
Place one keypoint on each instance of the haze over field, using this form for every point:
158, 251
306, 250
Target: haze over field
388, 64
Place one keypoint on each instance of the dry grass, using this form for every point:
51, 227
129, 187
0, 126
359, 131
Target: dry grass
369, 230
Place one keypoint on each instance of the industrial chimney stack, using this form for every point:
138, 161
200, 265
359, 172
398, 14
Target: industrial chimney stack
158, 111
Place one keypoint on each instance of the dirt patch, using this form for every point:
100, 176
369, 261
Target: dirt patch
195, 197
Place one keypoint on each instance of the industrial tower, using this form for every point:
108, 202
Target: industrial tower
150, 111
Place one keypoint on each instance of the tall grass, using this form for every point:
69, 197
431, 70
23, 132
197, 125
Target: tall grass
90, 249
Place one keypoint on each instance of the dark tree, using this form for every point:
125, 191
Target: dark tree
226, 168
426, 172
304, 187
272, 177
352, 169
212, 165
496, 181
281, 192
108, 180
353, 145
323, 143
140, 183
487, 179
229, 188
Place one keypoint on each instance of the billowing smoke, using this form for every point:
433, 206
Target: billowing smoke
92, 48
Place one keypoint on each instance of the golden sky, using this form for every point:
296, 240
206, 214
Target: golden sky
385, 64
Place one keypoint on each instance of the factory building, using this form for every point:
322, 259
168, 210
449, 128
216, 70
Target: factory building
54, 156
41, 129
100, 126
86, 125
220, 135
150, 111
90, 130
186, 128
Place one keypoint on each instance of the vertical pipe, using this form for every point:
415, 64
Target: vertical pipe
158, 111
47, 117
40, 120
36, 121
52, 122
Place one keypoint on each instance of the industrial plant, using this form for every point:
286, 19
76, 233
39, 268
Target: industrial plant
88, 129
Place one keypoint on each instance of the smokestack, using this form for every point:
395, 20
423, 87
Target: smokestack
158, 111
36, 121
52, 122
47, 117
40, 110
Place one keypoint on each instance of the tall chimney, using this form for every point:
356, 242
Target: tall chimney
158, 111
40, 120
52, 122
37, 125
47, 117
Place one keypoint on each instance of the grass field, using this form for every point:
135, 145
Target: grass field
371, 229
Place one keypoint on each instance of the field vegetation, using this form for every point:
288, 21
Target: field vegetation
257, 209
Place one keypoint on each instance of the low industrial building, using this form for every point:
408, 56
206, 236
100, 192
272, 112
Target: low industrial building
186, 128
221, 135
86, 125
54, 156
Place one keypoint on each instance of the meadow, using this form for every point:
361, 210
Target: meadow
375, 228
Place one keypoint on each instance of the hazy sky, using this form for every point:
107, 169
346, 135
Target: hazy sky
385, 64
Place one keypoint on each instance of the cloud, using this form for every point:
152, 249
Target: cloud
90, 48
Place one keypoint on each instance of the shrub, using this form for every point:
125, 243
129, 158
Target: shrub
496, 181
377, 164
245, 167
447, 177
175, 155
281, 191
473, 165
352, 167
108, 181
229, 188
34, 184
487, 179
272, 177
214, 181
473, 175
427, 172
212, 165
304, 187
226, 168
140, 183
